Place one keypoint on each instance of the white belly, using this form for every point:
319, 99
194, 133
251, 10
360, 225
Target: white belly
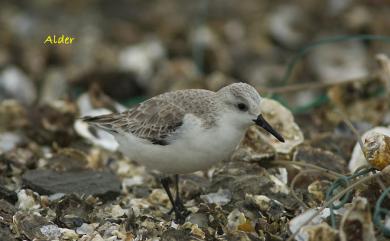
195, 149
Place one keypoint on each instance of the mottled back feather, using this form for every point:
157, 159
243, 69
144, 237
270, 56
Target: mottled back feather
158, 118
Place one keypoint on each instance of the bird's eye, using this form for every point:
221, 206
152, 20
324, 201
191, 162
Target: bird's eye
242, 106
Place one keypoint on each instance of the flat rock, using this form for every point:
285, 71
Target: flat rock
102, 184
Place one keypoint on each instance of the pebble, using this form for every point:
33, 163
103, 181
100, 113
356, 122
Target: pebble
51, 231
8, 141
14, 84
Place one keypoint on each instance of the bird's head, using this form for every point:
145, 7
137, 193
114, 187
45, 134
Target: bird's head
241, 104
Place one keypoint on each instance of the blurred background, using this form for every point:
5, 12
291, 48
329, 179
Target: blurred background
127, 51
135, 49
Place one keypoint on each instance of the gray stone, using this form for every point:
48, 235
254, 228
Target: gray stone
102, 184
322, 158
176, 235
9, 196
5, 233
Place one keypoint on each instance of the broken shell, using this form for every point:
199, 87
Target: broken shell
195, 230
72, 212
200, 219
356, 223
12, 115
351, 59
321, 232
377, 150
282, 120
27, 200
222, 197
263, 202
86, 228
253, 147
297, 222
358, 159
158, 197
283, 25
318, 189
117, 211
142, 58
68, 234
31, 225
235, 219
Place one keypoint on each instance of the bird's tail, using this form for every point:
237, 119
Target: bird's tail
104, 122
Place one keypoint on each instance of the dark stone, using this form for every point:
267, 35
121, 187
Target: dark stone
341, 145
176, 235
46, 182
5, 233
9, 196
322, 158
140, 191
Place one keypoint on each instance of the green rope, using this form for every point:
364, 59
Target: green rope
380, 212
343, 182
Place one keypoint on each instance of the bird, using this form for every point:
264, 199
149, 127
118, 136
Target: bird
184, 131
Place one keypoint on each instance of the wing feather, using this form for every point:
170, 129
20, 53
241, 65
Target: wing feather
155, 120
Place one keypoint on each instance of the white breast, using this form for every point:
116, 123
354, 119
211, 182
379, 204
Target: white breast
193, 149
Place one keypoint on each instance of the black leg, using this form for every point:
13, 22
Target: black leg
179, 204
178, 201
179, 216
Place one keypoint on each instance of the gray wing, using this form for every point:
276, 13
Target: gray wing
155, 120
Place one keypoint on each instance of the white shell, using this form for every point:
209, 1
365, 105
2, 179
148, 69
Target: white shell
282, 120
357, 158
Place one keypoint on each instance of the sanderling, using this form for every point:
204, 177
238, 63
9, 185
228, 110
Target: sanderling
186, 130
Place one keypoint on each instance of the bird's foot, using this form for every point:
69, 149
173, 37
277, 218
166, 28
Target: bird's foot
180, 210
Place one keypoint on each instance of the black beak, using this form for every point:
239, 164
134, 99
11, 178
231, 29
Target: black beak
260, 121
